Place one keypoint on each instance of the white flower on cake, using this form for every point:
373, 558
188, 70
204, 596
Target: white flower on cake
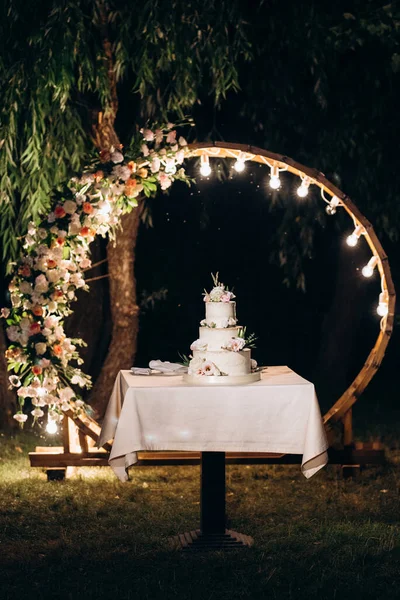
195, 366
235, 344
198, 345
209, 368
254, 364
219, 324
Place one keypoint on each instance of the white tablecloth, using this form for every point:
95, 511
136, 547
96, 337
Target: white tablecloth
279, 414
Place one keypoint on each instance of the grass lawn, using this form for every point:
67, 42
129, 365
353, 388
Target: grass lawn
94, 537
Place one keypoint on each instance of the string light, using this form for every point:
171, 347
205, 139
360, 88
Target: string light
302, 190
239, 165
274, 181
332, 205
383, 306
352, 239
205, 168
51, 426
368, 270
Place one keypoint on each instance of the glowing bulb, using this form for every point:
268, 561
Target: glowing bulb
368, 270
239, 166
352, 239
383, 307
274, 181
302, 190
51, 427
205, 168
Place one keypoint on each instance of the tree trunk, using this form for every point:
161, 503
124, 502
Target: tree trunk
124, 309
121, 253
8, 399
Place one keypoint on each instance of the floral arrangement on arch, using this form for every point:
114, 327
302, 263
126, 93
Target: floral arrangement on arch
43, 360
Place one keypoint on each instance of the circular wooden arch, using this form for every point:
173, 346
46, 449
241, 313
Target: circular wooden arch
374, 359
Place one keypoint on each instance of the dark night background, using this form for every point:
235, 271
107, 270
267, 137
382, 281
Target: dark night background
323, 88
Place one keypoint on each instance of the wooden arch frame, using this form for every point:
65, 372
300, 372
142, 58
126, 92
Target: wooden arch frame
343, 405
80, 433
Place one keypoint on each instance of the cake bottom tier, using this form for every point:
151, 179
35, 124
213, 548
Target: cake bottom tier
227, 362
225, 380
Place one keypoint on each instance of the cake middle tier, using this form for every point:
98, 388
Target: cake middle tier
216, 338
229, 363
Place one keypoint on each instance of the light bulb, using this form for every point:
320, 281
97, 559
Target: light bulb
302, 190
205, 168
51, 427
332, 206
352, 239
330, 210
383, 307
368, 270
239, 166
274, 181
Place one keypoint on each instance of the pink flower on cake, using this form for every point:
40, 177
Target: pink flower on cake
235, 344
209, 368
227, 297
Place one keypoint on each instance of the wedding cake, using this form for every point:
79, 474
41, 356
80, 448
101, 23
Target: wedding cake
222, 353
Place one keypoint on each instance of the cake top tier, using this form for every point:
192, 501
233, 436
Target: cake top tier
219, 293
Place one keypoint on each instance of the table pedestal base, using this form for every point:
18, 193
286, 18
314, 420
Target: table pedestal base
212, 534
198, 541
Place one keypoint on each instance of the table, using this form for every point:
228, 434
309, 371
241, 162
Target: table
279, 413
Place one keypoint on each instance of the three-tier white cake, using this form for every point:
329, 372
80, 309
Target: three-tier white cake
220, 355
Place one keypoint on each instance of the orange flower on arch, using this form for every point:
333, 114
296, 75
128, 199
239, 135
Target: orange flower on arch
130, 187
57, 349
87, 208
37, 310
34, 329
59, 212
